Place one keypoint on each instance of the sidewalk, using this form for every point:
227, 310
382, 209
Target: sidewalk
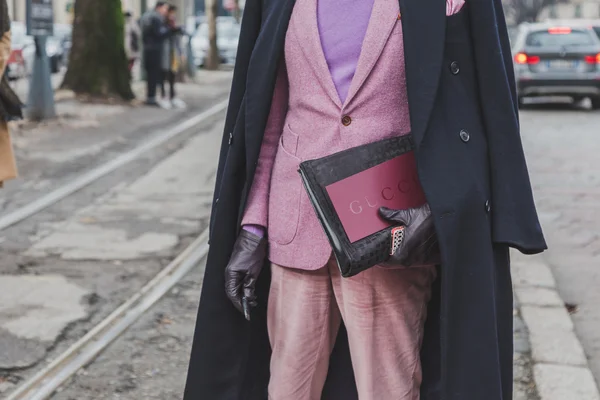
83, 135
82, 268
550, 363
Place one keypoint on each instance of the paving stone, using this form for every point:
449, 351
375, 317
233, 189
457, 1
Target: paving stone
19, 352
34, 311
89, 242
39, 307
551, 336
5, 386
532, 273
538, 296
556, 382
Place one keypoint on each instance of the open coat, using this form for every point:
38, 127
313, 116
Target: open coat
464, 119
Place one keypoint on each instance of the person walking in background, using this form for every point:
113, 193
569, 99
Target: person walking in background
10, 105
154, 32
171, 61
133, 38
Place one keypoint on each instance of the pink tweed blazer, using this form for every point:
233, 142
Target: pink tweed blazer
307, 121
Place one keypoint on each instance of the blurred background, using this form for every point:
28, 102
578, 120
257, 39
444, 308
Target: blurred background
102, 236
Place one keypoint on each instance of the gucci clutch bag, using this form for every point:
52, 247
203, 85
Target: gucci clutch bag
347, 189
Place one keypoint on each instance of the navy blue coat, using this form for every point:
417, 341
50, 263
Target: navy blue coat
464, 118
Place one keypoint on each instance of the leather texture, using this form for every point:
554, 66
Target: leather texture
420, 245
242, 271
316, 174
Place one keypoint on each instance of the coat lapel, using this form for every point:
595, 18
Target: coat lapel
423, 28
306, 28
382, 22
262, 73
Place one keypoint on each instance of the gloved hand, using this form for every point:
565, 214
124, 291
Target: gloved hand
420, 244
246, 262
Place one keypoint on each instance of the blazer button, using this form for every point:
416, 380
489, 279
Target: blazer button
346, 120
454, 68
464, 136
488, 206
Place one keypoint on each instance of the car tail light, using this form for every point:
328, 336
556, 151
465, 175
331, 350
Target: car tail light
559, 30
593, 59
16, 57
524, 58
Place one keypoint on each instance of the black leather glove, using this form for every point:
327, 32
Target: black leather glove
246, 262
420, 244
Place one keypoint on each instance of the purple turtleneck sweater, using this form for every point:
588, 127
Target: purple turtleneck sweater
342, 28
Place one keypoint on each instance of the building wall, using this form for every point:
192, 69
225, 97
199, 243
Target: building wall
574, 9
63, 9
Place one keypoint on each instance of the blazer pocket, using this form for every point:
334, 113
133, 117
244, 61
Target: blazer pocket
284, 196
289, 141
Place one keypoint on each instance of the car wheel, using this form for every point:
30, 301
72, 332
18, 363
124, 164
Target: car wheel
595, 103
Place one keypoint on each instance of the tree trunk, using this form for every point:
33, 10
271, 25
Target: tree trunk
97, 63
212, 58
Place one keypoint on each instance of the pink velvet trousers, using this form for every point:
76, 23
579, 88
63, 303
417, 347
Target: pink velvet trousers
384, 311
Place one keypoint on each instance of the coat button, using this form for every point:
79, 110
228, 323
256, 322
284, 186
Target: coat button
230, 138
464, 136
346, 120
488, 206
454, 68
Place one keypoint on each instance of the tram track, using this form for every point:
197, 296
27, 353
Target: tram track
84, 351
91, 176
42, 385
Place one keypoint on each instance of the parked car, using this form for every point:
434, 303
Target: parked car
20, 62
228, 33
558, 60
23, 52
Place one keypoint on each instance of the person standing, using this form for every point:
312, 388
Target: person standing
171, 61
154, 32
10, 105
133, 40
316, 77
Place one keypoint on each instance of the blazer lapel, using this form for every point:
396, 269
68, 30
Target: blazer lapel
306, 28
423, 28
262, 72
383, 19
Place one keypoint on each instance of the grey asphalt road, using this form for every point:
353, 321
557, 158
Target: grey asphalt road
563, 147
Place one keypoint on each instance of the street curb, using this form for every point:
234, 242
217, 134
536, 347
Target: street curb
560, 367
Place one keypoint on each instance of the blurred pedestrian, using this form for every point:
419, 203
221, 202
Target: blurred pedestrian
277, 318
10, 105
154, 32
171, 61
133, 40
